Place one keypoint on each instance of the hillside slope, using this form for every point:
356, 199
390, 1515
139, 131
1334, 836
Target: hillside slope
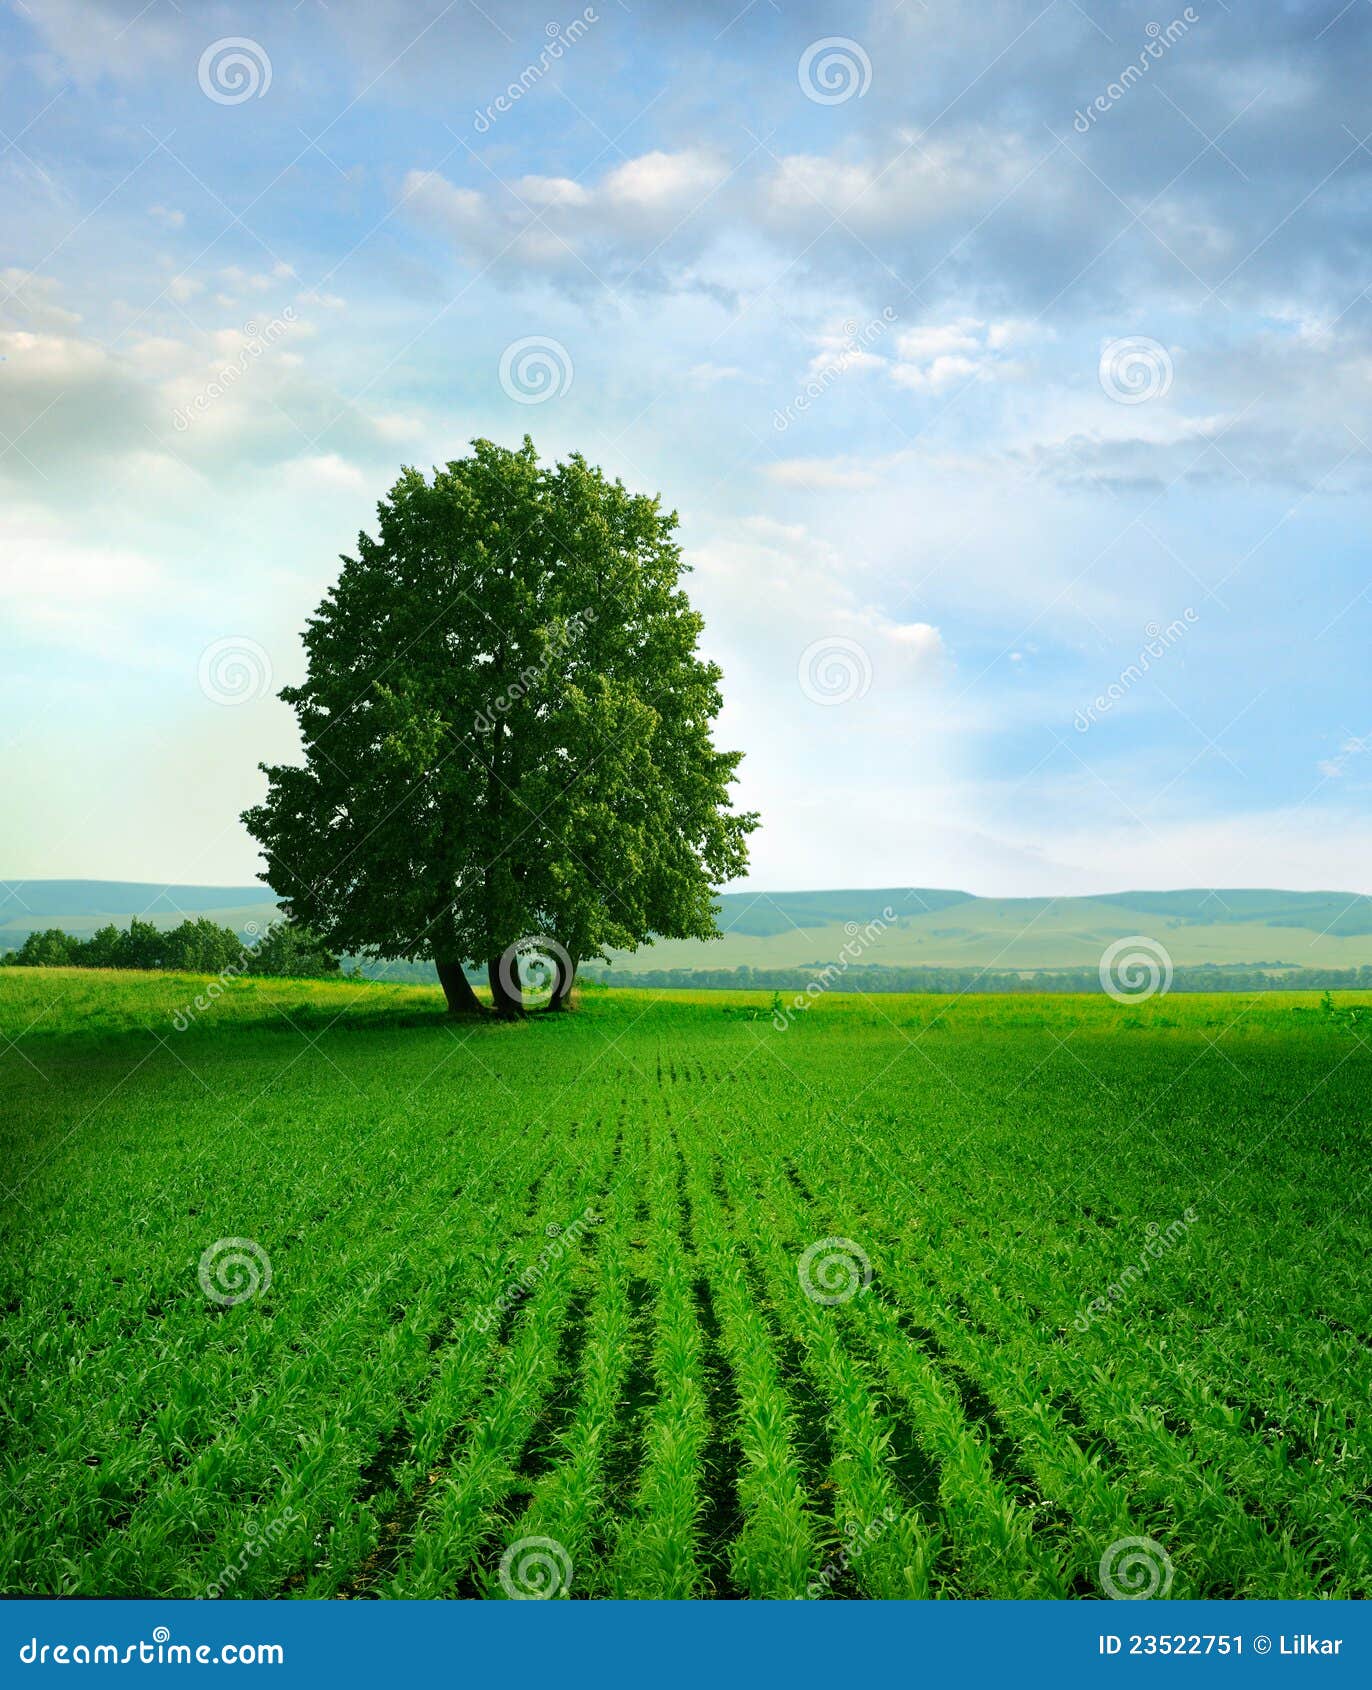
925, 928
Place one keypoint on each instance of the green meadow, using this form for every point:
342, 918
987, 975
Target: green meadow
312, 1291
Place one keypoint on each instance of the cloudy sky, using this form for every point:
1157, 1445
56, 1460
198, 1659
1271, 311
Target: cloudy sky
1008, 364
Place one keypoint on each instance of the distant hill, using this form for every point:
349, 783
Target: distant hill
80, 906
927, 928
957, 930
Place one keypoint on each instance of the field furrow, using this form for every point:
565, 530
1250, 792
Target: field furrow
672, 1297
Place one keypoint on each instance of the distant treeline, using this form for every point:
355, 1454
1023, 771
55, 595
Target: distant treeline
282, 948
1207, 977
195, 947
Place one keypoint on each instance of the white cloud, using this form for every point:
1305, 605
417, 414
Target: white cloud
455, 209
924, 640
1302, 849
324, 469
399, 427
804, 183
945, 371
580, 231
937, 356
939, 340
255, 281
54, 358
66, 590
924, 183
809, 589
551, 190
28, 298
1334, 768
707, 374
94, 40
848, 343
663, 180
818, 473
47, 574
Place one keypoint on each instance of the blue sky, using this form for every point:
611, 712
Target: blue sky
1009, 367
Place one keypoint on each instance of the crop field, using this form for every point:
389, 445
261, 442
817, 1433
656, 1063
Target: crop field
324, 1296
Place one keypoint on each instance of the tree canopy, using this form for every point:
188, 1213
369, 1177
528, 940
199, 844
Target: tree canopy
508, 734
200, 946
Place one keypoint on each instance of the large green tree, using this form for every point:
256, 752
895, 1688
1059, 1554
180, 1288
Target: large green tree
508, 734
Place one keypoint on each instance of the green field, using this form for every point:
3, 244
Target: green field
1089, 1273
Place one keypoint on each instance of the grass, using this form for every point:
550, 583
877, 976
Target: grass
536, 1318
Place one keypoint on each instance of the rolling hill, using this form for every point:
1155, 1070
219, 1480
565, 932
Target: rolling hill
925, 928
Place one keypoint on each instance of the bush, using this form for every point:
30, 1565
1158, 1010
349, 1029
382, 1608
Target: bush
194, 947
288, 949
50, 949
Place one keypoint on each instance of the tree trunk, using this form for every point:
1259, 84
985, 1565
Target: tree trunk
566, 979
506, 1005
457, 988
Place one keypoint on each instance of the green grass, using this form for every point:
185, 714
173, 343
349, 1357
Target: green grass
662, 1402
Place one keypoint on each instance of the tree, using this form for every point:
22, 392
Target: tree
144, 945
288, 949
508, 734
104, 948
51, 948
201, 947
